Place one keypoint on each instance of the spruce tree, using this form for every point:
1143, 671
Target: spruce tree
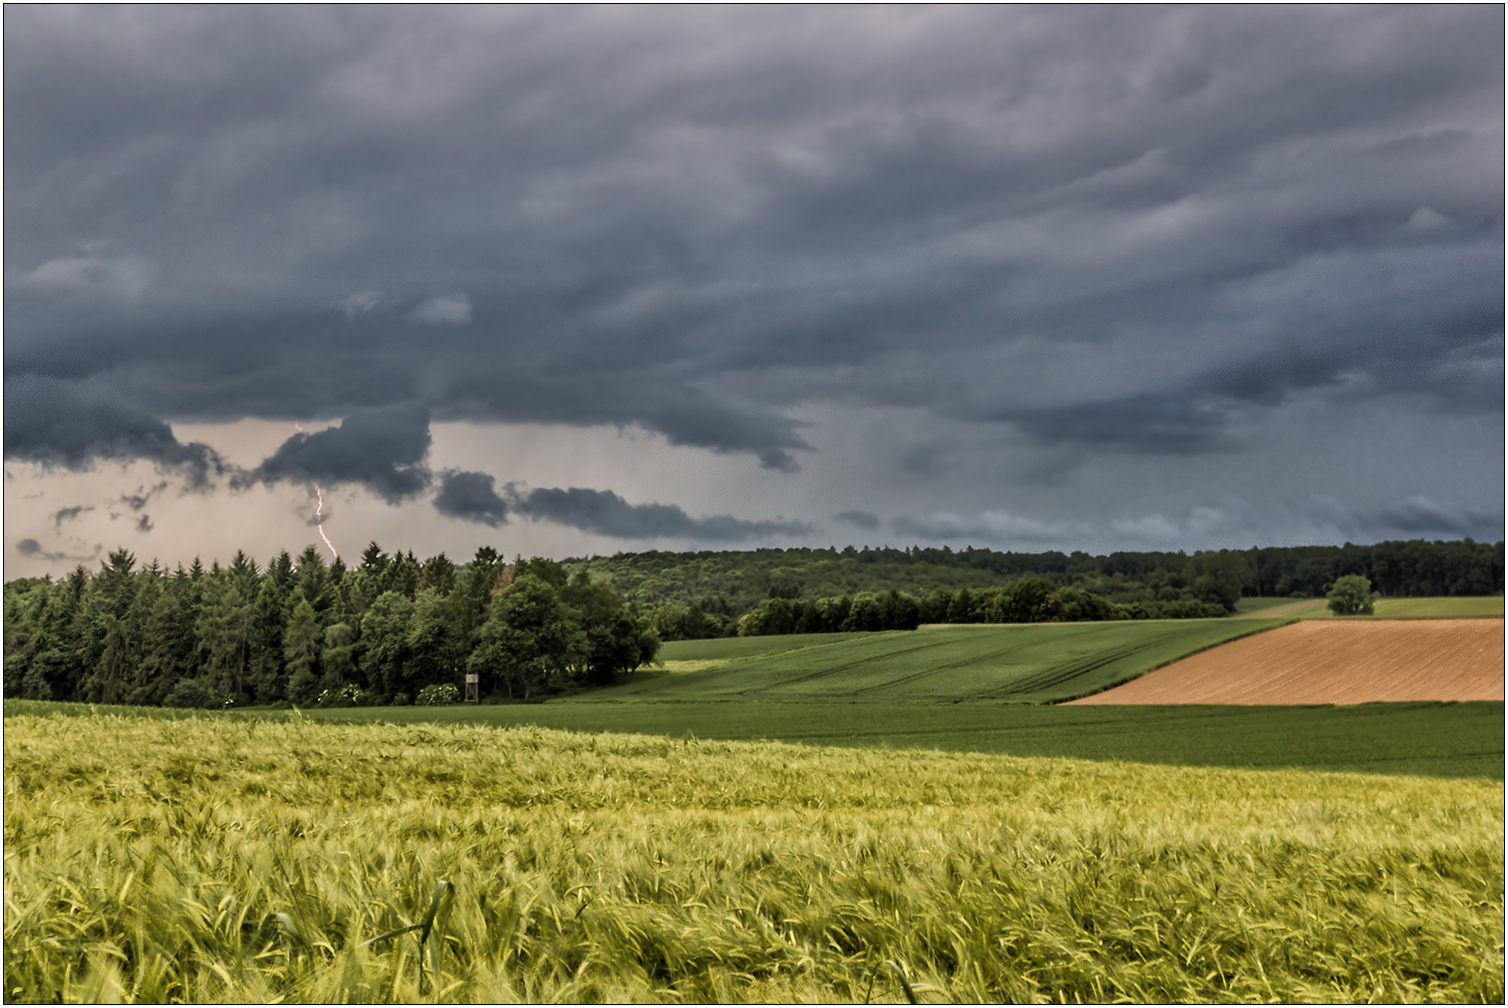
301, 647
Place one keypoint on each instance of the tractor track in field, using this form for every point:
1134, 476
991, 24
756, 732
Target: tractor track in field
929, 671
1066, 671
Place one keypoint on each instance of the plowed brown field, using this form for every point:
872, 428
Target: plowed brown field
1333, 663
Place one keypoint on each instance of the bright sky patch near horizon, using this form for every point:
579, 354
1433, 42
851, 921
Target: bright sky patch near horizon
578, 280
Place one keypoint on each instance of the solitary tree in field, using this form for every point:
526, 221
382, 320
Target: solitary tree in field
1351, 595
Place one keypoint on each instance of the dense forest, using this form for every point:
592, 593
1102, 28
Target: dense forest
305, 633
717, 588
394, 629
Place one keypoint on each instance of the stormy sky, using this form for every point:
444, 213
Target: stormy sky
570, 280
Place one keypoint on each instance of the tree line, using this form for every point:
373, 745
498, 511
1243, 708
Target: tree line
304, 632
725, 585
1026, 600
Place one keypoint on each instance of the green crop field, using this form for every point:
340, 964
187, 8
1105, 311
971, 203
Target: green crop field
738, 648
1282, 607
1028, 663
210, 859
1442, 607
1433, 739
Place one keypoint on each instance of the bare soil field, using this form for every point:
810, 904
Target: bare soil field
1324, 662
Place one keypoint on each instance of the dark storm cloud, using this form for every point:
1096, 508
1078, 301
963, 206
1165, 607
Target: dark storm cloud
867, 520
74, 423
603, 512
470, 496
139, 499
1420, 516
382, 450
64, 514
1116, 229
1147, 422
32, 548
144, 523
986, 527
1229, 523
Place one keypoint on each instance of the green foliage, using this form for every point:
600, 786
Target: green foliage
193, 694
338, 657
384, 636
438, 693
616, 643
729, 584
349, 695
1351, 595
215, 861
301, 648
531, 640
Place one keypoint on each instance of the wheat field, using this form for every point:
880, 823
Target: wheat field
202, 860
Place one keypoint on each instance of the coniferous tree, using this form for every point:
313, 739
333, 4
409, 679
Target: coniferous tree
267, 673
25, 631
338, 659
301, 647
384, 639
167, 655
223, 627
438, 573
402, 575
312, 578
281, 572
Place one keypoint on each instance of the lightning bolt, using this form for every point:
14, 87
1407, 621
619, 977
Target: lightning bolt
319, 521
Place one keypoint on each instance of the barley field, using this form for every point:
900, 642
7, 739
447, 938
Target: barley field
210, 860
1418, 739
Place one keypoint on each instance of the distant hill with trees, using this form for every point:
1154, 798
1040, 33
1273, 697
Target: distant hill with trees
717, 588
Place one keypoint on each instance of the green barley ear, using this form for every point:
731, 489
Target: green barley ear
431, 929
434, 924
905, 984
289, 927
910, 988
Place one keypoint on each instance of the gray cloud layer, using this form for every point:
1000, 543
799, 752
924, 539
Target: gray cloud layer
1112, 230
1230, 523
75, 423
605, 513
866, 520
471, 496
383, 450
